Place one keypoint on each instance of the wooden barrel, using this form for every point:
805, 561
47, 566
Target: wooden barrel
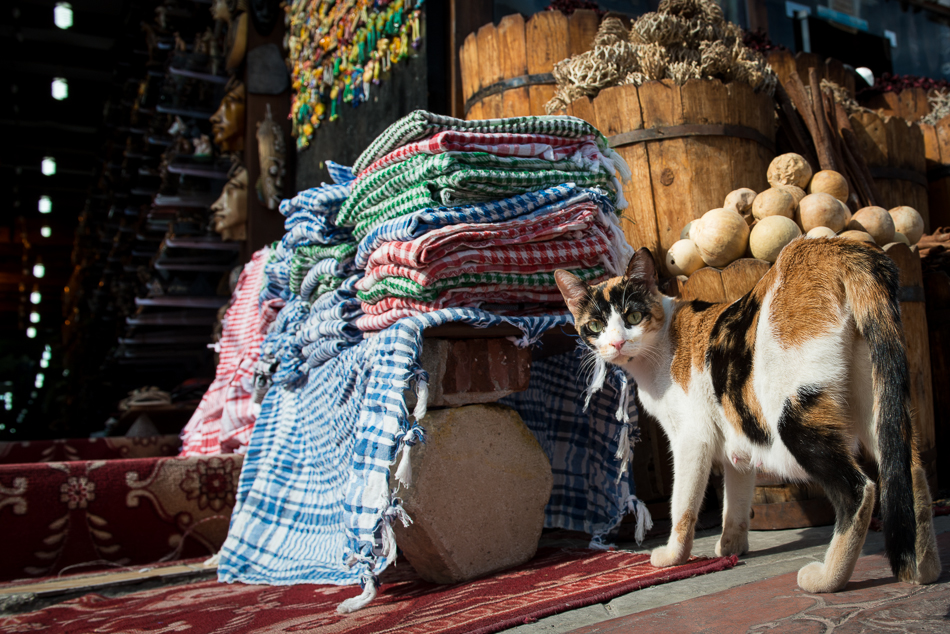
894, 151
914, 317
937, 288
910, 104
784, 63
506, 70
688, 146
937, 153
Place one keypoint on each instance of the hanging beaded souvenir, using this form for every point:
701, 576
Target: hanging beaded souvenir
337, 49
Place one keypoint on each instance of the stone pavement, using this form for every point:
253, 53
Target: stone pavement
761, 594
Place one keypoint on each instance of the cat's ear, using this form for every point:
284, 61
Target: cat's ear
572, 288
642, 268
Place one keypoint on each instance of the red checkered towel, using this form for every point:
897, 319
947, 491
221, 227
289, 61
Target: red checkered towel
433, 245
584, 251
222, 422
543, 146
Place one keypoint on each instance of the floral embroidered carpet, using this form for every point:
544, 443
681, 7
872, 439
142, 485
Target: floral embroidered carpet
88, 449
81, 515
554, 581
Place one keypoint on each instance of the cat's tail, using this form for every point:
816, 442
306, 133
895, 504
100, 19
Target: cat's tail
872, 285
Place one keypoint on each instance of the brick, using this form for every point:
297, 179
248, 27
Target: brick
469, 371
479, 487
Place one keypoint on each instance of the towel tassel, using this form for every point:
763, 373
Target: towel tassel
404, 470
359, 602
644, 519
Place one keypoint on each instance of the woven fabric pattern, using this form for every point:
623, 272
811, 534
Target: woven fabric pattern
403, 287
482, 169
525, 208
548, 147
223, 419
315, 490
421, 124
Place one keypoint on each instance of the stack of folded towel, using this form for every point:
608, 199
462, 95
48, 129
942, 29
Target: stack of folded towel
479, 214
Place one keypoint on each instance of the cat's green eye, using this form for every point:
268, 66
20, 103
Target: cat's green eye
595, 326
633, 317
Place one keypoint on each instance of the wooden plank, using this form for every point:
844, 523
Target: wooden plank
708, 102
872, 138
942, 128
465, 16
514, 59
741, 276
547, 37
834, 72
670, 171
931, 145
489, 70
468, 58
914, 318
799, 514
783, 63
705, 285
617, 110
582, 25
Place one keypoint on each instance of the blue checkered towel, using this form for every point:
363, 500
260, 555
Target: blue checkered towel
315, 502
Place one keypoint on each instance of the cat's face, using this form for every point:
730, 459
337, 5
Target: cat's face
618, 318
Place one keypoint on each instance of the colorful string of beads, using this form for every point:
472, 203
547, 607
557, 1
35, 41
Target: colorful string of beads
338, 49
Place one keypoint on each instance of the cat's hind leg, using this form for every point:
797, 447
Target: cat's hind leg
928, 558
692, 461
813, 428
738, 489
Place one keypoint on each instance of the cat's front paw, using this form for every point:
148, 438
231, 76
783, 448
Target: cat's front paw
664, 557
733, 544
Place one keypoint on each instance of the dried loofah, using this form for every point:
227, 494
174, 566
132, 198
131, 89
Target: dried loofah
709, 11
682, 40
611, 32
939, 107
658, 28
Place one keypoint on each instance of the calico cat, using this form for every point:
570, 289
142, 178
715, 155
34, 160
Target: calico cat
790, 378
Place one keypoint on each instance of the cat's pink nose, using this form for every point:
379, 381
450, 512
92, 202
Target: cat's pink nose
618, 345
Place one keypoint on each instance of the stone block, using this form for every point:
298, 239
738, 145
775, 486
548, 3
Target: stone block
468, 371
479, 487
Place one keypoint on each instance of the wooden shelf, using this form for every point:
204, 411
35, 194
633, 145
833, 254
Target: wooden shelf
191, 200
204, 169
215, 79
185, 112
183, 301
197, 268
172, 318
195, 242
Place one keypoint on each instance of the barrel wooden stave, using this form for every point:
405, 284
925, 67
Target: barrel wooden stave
894, 143
515, 49
914, 319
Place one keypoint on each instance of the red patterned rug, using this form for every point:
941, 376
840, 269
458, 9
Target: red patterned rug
554, 581
81, 515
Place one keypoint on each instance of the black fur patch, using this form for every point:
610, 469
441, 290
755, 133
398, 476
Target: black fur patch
824, 454
729, 360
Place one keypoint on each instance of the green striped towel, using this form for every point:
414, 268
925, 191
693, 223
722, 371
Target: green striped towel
421, 124
375, 188
404, 287
468, 187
